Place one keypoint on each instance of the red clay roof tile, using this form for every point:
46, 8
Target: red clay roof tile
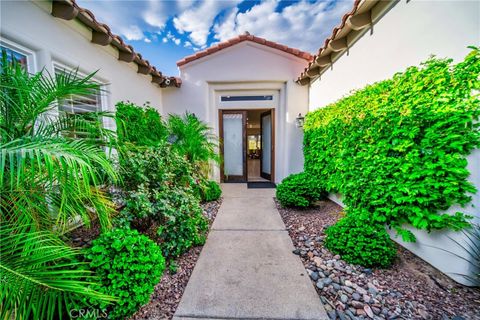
86, 17
356, 4
245, 37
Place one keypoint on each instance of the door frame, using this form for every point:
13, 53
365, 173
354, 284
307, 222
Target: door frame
244, 178
270, 176
223, 177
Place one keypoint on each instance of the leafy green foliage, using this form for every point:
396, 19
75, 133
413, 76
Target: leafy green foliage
41, 276
148, 175
396, 150
142, 126
158, 186
183, 224
359, 241
210, 191
129, 266
193, 139
48, 179
299, 190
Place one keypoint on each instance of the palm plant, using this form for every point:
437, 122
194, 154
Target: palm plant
193, 139
48, 180
42, 277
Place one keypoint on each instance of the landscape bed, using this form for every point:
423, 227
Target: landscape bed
410, 289
168, 292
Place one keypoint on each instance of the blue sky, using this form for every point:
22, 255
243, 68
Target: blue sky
166, 31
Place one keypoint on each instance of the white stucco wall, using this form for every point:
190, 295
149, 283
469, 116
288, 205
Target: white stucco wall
247, 68
407, 35
53, 40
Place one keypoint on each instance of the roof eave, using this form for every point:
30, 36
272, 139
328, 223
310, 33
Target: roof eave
362, 17
101, 35
242, 38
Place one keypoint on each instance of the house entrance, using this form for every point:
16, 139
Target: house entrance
247, 145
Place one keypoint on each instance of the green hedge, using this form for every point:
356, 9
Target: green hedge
360, 242
299, 190
397, 149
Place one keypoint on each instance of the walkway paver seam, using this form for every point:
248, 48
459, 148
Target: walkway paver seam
246, 269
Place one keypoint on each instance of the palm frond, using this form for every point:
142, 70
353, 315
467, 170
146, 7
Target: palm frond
193, 138
24, 97
41, 277
63, 171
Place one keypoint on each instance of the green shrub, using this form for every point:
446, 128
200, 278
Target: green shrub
299, 190
129, 266
147, 174
159, 189
398, 148
362, 242
192, 138
183, 224
142, 126
211, 191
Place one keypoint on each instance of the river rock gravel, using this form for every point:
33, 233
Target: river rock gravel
410, 289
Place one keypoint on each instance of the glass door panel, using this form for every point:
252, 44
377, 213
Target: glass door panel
267, 144
233, 125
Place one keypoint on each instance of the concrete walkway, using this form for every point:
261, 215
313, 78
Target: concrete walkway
247, 269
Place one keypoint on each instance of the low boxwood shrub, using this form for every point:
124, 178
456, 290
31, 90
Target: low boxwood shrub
129, 266
362, 242
211, 191
299, 190
398, 147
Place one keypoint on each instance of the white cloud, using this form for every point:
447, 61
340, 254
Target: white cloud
197, 21
177, 41
303, 25
132, 32
147, 40
118, 16
187, 44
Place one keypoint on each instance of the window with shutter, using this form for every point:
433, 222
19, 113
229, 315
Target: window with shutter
85, 105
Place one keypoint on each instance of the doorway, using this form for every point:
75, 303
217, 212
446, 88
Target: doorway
247, 145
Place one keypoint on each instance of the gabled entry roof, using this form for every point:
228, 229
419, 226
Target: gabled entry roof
241, 38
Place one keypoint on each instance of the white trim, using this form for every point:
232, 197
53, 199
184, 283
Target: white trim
275, 88
29, 53
235, 46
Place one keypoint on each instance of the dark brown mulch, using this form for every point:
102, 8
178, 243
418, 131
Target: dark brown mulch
169, 290
410, 289
83, 236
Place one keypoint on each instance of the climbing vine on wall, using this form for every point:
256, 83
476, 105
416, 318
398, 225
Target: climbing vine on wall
397, 149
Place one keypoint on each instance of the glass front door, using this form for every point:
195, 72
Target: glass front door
232, 126
266, 128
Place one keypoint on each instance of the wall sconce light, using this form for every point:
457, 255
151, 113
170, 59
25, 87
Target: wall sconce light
299, 121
